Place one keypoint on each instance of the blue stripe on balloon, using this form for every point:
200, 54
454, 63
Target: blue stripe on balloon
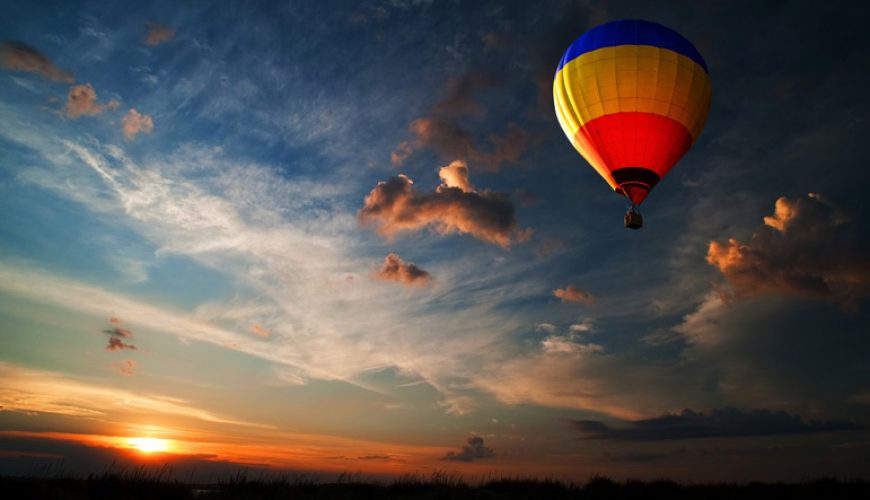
631, 32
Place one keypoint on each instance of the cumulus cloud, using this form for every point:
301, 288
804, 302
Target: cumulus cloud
456, 175
157, 34
807, 248
442, 132
474, 450
455, 207
134, 123
724, 422
395, 269
18, 56
573, 294
82, 101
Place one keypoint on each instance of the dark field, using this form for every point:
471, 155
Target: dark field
114, 486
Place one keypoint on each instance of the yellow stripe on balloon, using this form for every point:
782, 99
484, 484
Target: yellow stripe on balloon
632, 78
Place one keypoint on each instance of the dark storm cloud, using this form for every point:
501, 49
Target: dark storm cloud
474, 450
394, 205
724, 422
807, 247
395, 269
18, 56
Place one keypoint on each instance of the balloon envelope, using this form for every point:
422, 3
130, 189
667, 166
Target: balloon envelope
632, 96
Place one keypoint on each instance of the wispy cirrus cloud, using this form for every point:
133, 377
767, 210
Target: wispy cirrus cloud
29, 390
18, 56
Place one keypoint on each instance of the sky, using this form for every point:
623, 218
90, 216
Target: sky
317, 237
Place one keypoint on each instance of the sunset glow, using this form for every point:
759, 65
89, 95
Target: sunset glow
389, 237
149, 445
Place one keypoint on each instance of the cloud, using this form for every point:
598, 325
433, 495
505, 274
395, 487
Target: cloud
395, 269
549, 246
116, 344
806, 248
474, 450
394, 205
442, 132
125, 367
573, 294
116, 333
259, 330
724, 422
135, 123
460, 94
452, 141
456, 175
82, 101
18, 56
28, 390
157, 34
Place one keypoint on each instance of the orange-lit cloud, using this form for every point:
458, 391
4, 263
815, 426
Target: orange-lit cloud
116, 333
460, 94
394, 205
18, 56
34, 391
452, 141
125, 367
82, 101
441, 130
116, 344
135, 123
395, 269
260, 331
573, 294
456, 175
157, 34
807, 247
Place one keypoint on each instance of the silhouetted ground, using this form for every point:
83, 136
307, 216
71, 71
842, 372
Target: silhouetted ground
445, 486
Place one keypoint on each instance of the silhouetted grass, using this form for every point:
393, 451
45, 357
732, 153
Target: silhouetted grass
141, 484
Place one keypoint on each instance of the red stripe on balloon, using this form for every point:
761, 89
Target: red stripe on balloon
634, 139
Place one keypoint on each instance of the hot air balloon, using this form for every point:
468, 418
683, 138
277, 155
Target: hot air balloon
632, 96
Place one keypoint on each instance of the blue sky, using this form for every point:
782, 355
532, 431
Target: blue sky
222, 233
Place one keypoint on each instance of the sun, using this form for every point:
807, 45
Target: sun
149, 445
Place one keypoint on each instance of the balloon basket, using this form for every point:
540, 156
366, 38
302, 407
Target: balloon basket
633, 219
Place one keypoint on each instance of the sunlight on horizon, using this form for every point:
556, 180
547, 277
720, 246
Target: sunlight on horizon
149, 445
